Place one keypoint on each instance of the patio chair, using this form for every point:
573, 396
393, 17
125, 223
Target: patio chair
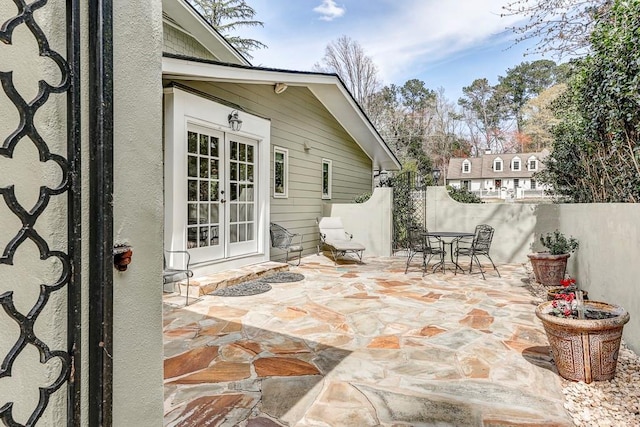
338, 241
480, 245
420, 242
282, 238
177, 268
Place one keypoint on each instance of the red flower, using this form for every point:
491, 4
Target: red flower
567, 312
567, 282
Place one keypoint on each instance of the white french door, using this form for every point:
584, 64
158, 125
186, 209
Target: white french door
221, 194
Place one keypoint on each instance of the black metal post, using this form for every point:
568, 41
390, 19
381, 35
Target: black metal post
101, 212
74, 292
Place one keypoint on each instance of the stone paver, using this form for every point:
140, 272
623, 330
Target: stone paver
364, 345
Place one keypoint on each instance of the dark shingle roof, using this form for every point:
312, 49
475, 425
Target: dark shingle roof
482, 167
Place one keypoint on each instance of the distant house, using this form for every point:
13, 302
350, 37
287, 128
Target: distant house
498, 175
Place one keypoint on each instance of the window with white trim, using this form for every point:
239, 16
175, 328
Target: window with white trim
516, 183
533, 184
466, 166
280, 172
533, 164
326, 178
515, 164
497, 165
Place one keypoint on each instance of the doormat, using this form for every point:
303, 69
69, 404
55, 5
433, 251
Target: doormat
283, 277
243, 289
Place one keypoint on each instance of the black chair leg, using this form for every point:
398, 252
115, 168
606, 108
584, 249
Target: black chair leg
494, 266
409, 258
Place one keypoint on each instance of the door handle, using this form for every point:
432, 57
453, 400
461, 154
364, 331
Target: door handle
223, 201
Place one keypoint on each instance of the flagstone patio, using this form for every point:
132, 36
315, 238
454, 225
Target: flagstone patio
364, 345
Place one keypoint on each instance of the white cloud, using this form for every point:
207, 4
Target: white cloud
329, 10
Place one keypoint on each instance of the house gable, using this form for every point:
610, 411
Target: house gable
188, 33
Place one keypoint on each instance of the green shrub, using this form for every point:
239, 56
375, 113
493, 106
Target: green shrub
362, 197
463, 195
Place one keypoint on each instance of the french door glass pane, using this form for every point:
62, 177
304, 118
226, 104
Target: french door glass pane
204, 145
193, 190
192, 213
213, 191
249, 153
192, 142
193, 166
204, 213
204, 191
204, 168
214, 146
233, 233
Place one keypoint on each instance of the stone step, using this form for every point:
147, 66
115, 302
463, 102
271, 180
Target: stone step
203, 285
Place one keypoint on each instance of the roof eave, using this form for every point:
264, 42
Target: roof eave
327, 88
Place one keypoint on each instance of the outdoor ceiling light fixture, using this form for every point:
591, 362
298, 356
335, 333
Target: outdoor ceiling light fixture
234, 121
280, 87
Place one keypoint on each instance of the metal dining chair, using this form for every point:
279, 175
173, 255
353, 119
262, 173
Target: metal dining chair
282, 238
480, 245
420, 242
177, 268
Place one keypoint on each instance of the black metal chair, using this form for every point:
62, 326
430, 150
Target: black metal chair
480, 245
177, 269
420, 242
282, 238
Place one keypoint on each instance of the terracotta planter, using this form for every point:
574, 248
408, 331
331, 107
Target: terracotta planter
553, 291
585, 350
548, 269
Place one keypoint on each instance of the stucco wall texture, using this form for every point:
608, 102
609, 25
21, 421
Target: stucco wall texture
138, 202
606, 264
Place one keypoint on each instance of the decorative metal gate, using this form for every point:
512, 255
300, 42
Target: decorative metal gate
40, 224
409, 205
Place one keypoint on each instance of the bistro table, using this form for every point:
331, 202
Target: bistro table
454, 236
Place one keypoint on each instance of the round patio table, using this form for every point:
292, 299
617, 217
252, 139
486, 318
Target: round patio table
454, 236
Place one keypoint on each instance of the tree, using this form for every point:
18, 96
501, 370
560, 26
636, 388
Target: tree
346, 58
596, 152
539, 119
482, 111
522, 82
402, 116
444, 136
562, 27
228, 15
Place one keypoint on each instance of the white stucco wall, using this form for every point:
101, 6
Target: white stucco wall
514, 223
138, 216
605, 264
369, 222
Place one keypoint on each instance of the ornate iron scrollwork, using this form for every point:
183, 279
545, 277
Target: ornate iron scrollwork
26, 132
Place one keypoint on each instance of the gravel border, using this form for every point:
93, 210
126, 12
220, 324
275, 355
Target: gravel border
610, 403
283, 277
242, 289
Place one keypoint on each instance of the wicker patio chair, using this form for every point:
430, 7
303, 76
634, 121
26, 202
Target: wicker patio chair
338, 241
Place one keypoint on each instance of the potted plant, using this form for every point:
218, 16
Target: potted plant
549, 267
567, 286
584, 336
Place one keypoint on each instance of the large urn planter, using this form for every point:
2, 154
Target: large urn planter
548, 269
585, 349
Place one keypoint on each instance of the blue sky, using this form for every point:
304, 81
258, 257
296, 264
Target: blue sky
445, 43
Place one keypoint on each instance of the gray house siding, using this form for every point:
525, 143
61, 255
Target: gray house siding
178, 42
297, 116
